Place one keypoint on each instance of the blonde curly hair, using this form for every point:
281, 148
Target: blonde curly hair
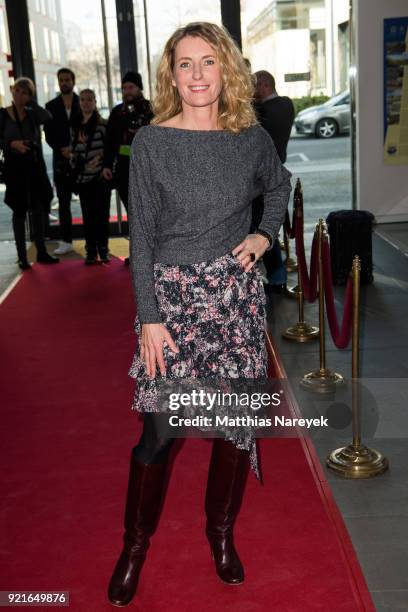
235, 108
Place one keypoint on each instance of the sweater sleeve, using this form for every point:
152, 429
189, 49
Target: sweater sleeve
276, 188
144, 209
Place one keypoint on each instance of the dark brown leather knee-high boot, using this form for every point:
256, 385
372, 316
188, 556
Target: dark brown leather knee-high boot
225, 489
145, 492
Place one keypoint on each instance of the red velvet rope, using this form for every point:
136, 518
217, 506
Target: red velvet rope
341, 337
309, 283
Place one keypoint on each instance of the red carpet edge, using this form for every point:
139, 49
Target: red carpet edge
356, 576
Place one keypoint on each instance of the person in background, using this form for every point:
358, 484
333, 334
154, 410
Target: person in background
88, 140
124, 121
25, 174
64, 109
276, 115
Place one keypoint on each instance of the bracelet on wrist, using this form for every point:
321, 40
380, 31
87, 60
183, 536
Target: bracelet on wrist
265, 235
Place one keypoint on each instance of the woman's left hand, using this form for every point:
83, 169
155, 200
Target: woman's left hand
253, 243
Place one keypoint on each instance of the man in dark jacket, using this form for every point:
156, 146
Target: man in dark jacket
124, 121
64, 110
276, 115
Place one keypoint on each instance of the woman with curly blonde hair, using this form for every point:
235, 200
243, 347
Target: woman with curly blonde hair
235, 110
200, 303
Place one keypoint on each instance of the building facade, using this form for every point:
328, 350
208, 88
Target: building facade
47, 43
303, 44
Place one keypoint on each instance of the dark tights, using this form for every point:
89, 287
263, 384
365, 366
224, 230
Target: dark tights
37, 217
154, 444
95, 205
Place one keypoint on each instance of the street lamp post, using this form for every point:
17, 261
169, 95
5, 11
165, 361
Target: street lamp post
352, 85
149, 70
107, 59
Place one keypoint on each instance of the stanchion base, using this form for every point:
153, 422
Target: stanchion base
301, 332
290, 265
321, 381
293, 292
357, 461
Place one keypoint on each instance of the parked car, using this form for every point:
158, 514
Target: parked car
326, 120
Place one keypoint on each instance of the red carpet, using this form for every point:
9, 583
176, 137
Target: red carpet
112, 219
66, 343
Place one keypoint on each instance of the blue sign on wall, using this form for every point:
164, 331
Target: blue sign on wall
396, 91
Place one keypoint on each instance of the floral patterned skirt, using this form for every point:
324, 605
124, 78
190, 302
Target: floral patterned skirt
215, 313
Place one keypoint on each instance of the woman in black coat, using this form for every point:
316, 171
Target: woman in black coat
25, 175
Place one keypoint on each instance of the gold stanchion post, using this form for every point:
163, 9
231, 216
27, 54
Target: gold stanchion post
290, 264
282, 245
356, 460
301, 331
322, 380
295, 195
293, 292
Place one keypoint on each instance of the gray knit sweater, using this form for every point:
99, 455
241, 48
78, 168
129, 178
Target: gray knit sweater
190, 195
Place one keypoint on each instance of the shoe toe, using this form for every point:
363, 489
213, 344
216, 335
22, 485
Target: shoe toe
118, 597
24, 265
231, 575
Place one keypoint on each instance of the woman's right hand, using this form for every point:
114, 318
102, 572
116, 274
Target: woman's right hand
18, 145
154, 335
